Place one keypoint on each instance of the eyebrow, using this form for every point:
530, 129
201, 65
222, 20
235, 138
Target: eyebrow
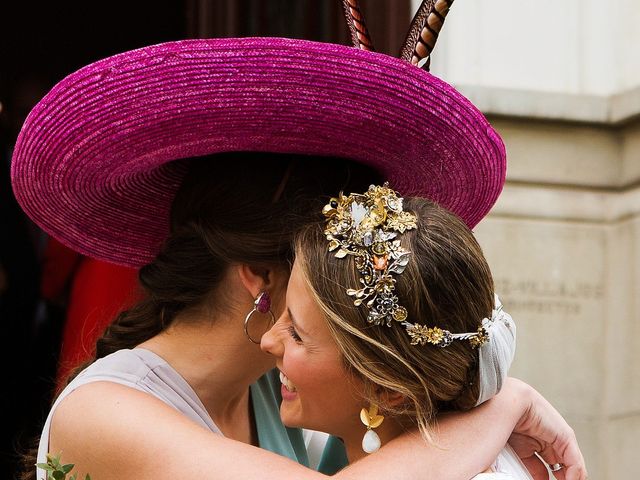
296, 324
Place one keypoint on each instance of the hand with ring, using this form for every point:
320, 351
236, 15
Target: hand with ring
542, 434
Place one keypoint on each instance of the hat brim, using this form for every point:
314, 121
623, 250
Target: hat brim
92, 163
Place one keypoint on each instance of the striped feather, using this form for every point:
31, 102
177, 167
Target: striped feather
423, 32
360, 37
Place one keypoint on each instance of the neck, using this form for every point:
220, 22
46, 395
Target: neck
219, 363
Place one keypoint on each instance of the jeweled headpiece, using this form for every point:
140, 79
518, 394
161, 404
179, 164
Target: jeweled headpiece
367, 226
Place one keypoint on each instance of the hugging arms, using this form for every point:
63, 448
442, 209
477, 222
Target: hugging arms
135, 435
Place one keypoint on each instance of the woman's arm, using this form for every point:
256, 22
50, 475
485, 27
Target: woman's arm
469, 442
133, 435
113, 432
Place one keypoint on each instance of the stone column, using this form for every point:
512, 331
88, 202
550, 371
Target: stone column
563, 242
561, 83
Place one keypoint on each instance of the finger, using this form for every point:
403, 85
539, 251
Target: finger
575, 472
572, 458
524, 445
565, 451
573, 467
536, 467
550, 456
560, 474
548, 459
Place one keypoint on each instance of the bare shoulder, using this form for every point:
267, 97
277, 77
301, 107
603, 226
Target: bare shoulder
113, 432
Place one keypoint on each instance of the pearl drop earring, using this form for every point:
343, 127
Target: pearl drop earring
371, 419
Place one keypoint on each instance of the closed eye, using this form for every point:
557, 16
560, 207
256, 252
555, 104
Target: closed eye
294, 334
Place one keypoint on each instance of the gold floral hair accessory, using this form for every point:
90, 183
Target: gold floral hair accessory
367, 226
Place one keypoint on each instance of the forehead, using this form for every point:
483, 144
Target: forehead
296, 279
303, 306
299, 294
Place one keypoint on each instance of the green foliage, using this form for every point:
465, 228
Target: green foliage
56, 471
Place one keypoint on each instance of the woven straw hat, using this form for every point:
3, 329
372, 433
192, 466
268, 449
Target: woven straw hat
92, 164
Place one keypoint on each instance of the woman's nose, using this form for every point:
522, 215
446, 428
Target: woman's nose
270, 342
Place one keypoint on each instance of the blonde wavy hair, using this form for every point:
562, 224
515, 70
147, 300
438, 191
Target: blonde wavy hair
447, 283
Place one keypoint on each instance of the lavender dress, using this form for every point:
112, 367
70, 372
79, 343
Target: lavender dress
145, 371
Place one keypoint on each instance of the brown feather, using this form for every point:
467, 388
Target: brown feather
423, 32
360, 37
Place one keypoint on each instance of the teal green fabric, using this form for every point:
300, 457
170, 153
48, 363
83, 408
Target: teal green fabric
288, 442
272, 434
334, 457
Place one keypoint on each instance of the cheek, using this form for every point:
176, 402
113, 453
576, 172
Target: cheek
326, 394
342, 390
295, 362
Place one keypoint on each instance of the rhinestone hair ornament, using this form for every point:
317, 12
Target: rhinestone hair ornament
367, 226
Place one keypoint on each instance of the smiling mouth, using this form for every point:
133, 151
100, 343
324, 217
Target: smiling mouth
287, 383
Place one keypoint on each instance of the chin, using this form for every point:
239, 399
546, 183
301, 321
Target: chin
291, 420
292, 416
294, 421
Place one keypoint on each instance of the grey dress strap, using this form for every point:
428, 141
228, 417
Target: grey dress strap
145, 371
140, 369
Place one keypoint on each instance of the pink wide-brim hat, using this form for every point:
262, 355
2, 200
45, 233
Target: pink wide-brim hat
92, 164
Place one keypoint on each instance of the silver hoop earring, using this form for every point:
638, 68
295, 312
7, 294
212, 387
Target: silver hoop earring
262, 304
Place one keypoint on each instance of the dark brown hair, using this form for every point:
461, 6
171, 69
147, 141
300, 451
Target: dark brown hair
447, 283
234, 208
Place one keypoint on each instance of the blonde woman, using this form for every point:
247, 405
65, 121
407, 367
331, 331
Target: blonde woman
390, 321
196, 161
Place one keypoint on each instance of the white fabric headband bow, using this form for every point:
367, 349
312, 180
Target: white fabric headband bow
496, 355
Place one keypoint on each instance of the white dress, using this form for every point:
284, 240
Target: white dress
506, 467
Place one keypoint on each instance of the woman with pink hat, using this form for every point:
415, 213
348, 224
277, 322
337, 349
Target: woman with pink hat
198, 161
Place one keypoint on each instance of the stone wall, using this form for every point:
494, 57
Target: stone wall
563, 242
573, 46
561, 82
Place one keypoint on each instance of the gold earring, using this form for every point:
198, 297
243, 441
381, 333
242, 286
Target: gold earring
371, 420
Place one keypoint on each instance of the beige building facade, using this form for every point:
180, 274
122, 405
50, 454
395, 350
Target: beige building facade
563, 242
561, 83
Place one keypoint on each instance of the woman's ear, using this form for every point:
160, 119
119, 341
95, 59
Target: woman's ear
258, 279
390, 398
253, 279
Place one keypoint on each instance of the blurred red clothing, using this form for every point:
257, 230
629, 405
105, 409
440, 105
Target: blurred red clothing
98, 291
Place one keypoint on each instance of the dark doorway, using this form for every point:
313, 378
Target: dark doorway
40, 43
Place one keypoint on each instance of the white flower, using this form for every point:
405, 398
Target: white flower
358, 212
